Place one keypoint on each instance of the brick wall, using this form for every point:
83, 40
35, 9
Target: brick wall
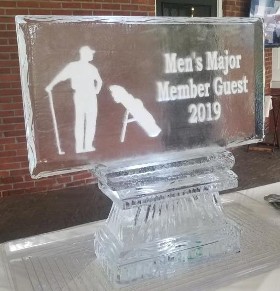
236, 8
268, 70
14, 174
241, 8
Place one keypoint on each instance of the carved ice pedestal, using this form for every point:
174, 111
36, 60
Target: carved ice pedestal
166, 214
184, 86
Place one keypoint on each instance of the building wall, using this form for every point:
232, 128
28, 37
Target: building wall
241, 8
14, 175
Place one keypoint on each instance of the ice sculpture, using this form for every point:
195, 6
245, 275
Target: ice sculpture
165, 214
149, 105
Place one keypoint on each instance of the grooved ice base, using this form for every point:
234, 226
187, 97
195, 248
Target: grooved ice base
165, 215
164, 257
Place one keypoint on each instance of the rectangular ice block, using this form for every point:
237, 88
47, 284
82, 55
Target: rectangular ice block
102, 89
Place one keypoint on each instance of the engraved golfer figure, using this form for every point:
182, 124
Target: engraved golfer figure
86, 83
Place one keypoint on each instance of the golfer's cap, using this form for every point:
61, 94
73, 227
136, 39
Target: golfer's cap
86, 49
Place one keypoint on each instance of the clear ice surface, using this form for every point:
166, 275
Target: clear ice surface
165, 214
152, 152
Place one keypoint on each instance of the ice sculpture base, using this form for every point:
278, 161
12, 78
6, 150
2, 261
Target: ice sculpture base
127, 263
165, 216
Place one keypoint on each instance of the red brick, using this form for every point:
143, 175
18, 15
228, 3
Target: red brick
16, 85
23, 185
7, 140
20, 139
71, 5
82, 176
40, 11
10, 106
7, 154
129, 7
139, 13
8, 180
13, 120
122, 1
8, 3
27, 178
144, 2
61, 12
24, 164
5, 56
19, 172
91, 5
7, 114
50, 5
6, 187
10, 166
111, 6
10, 92
7, 34
13, 56
12, 41
5, 85
22, 152
7, 19
10, 63
17, 99
4, 173
18, 112
5, 70
6, 193
14, 159
16, 11
121, 13
15, 146
15, 133
28, 4
2, 43
5, 99
146, 8
10, 78
43, 183
3, 26
82, 12
101, 13
66, 179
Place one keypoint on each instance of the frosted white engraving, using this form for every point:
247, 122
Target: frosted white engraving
86, 83
136, 109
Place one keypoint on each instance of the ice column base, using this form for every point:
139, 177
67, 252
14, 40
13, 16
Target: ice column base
160, 226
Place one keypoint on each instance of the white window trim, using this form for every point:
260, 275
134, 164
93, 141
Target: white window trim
220, 8
275, 80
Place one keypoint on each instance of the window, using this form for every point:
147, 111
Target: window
189, 8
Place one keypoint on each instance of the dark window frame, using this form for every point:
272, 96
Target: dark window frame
212, 3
